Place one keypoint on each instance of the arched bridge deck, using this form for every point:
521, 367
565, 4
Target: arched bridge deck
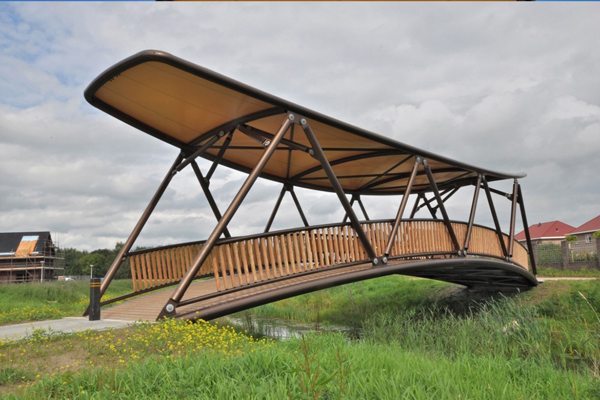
207, 115
242, 273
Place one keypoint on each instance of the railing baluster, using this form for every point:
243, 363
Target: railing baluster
266, 263
319, 254
313, 247
290, 252
222, 264
158, 266
258, 259
309, 250
144, 272
238, 264
278, 247
231, 266
134, 278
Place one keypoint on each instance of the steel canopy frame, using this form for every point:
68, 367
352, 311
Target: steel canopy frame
193, 108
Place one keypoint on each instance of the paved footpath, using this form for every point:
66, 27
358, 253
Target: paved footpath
66, 325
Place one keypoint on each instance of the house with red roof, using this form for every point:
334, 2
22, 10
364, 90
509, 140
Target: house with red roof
585, 235
546, 232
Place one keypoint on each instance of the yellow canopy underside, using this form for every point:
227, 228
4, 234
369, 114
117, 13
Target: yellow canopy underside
185, 105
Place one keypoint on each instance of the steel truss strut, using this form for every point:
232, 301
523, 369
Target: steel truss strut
488, 194
472, 214
513, 214
356, 197
220, 155
427, 202
394, 232
286, 188
526, 226
181, 161
211, 201
187, 279
138, 227
441, 206
317, 152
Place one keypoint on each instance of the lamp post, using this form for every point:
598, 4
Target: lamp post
91, 271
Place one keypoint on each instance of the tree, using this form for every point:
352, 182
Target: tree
97, 260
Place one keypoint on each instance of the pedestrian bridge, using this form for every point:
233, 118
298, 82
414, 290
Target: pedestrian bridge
207, 115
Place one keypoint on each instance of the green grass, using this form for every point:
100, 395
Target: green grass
319, 367
346, 305
39, 301
550, 272
420, 340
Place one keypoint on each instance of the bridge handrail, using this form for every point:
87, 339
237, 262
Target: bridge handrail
263, 257
290, 230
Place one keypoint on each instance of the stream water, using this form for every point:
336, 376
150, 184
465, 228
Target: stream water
281, 329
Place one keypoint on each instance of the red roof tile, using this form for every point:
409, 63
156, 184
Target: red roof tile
547, 230
592, 225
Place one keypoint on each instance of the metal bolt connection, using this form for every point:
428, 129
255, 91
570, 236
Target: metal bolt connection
303, 121
170, 308
311, 152
375, 261
385, 260
221, 133
291, 117
266, 143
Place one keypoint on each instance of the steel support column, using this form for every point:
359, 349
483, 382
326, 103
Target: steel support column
275, 209
220, 154
394, 232
440, 205
187, 279
526, 228
299, 207
427, 202
208, 194
320, 156
138, 227
513, 215
286, 188
488, 194
416, 206
192, 157
356, 197
472, 215
362, 207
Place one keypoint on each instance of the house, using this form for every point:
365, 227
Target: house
586, 242
547, 232
27, 257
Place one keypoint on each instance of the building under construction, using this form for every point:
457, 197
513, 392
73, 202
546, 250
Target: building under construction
28, 257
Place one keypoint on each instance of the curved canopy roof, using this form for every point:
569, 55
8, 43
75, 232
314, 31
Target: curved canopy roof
186, 105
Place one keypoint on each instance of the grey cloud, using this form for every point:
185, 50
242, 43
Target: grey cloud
506, 89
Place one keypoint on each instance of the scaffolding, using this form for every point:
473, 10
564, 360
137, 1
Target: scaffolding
24, 264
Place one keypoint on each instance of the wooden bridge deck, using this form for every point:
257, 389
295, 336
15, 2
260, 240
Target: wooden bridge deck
208, 303
148, 307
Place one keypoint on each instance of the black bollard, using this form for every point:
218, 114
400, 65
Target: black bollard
95, 299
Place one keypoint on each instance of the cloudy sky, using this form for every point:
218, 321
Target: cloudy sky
509, 87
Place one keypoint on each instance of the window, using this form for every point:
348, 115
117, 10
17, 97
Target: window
588, 238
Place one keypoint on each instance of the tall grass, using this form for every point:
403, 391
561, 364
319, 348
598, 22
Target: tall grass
348, 304
424, 343
320, 367
37, 301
